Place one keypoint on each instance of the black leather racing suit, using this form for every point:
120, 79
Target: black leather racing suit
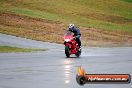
77, 34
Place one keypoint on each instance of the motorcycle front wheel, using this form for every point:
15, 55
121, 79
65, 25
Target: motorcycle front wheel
67, 51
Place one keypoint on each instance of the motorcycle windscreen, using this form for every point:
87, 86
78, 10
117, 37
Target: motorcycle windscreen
68, 35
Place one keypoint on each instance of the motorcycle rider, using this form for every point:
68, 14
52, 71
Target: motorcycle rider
76, 32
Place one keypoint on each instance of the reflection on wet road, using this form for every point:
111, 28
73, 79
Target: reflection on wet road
67, 70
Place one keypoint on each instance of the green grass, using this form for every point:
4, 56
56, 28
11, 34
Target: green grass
4, 49
101, 14
128, 0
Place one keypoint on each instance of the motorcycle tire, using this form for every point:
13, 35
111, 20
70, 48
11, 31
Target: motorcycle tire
78, 53
67, 51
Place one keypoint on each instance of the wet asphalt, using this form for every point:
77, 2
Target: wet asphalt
51, 69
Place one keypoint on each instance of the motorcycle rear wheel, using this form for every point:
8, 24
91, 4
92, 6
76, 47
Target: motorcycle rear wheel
78, 53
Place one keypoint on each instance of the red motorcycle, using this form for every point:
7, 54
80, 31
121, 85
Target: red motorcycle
71, 46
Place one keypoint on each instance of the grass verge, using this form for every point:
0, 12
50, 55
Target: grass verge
45, 30
5, 49
114, 15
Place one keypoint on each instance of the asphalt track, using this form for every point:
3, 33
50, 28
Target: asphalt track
51, 69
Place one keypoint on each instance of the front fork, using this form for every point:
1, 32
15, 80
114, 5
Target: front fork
68, 45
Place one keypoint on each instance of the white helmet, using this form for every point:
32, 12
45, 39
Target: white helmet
71, 26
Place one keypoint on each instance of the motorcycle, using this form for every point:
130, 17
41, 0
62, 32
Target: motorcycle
71, 46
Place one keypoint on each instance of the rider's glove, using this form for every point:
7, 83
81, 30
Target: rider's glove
74, 37
77, 36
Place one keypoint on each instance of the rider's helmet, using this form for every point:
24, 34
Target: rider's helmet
71, 26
